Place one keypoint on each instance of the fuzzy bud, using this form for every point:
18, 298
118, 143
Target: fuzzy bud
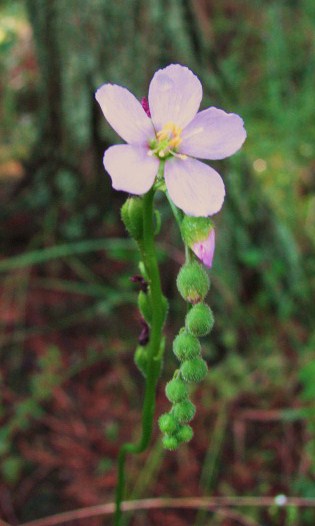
170, 442
193, 282
132, 216
194, 370
184, 433
186, 346
176, 390
184, 411
199, 320
198, 233
168, 424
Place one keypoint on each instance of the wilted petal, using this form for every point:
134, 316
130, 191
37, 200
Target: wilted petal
194, 187
174, 96
213, 134
204, 250
130, 168
125, 114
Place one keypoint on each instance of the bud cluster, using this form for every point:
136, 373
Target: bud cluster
193, 284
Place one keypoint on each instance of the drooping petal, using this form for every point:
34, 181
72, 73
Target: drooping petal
213, 134
204, 250
125, 114
194, 187
175, 94
131, 168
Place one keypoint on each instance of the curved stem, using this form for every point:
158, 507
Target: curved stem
154, 348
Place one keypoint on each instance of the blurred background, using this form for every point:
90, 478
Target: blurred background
70, 392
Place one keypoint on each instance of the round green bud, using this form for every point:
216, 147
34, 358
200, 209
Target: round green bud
132, 216
184, 433
184, 411
199, 320
193, 282
141, 359
168, 424
176, 390
186, 346
194, 370
144, 306
170, 442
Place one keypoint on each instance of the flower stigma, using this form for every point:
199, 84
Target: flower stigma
167, 141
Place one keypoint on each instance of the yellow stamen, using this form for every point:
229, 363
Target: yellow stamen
169, 138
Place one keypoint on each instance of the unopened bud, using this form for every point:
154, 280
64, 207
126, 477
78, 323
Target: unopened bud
184, 411
141, 359
193, 282
184, 433
194, 370
198, 234
144, 306
168, 424
170, 442
199, 320
176, 390
186, 346
132, 216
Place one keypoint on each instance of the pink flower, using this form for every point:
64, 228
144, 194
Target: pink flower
174, 133
204, 250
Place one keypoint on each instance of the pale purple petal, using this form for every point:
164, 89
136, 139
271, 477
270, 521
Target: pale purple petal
130, 168
175, 94
204, 250
213, 134
194, 187
125, 114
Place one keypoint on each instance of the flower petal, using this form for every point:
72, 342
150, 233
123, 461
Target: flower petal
131, 168
194, 187
174, 96
125, 114
213, 134
204, 250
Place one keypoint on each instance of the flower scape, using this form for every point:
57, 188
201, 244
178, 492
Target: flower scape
166, 136
168, 131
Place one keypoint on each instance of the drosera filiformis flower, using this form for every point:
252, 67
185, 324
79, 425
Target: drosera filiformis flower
169, 129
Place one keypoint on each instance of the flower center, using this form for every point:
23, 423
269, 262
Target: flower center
167, 140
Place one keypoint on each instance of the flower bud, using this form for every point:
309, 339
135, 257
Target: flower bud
184, 411
132, 216
193, 282
176, 390
141, 359
199, 320
198, 234
186, 346
184, 433
194, 370
170, 442
144, 306
168, 424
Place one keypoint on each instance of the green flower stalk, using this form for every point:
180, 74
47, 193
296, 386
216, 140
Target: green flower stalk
165, 138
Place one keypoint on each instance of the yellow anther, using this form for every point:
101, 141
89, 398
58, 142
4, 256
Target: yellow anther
171, 134
175, 142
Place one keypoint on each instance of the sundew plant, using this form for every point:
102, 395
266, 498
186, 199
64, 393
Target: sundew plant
165, 137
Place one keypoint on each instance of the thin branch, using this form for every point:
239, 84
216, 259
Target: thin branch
209, 503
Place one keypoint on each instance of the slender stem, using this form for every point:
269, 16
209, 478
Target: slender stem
153, 349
